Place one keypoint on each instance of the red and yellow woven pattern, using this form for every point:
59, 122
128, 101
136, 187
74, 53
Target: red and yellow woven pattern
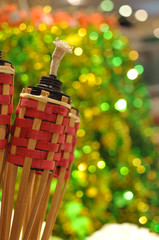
43, 136
6, 102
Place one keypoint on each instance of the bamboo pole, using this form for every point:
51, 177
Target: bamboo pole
8, 189
44, 179
20, 203
56, 197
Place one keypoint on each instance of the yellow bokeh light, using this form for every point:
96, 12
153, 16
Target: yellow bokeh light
78, 51
56, 30
143, 207
47, 9
83, 78
37, 66
76, 85
22, 26
98, 80
42, 27
91, 192
30, 28
82, 167
88, 113
82, 32
118, 70
108, 197
81, 133
95, 155
133, 55
123, 39
91, 79
136, 162
152, 175
96, 111
79, 194
101, 164
96, 145
64, 25
141, 169
143, 220
73, 39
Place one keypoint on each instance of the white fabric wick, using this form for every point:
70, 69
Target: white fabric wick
59, 52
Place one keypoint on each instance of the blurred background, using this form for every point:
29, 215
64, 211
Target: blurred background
139, 20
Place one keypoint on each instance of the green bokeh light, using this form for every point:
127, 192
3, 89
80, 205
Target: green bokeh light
93, 36
104, 27
156, 228
117, 61
138, 103
86, 149
139, 68
104, 106
107, 5
108, 35
92, 168
124, 171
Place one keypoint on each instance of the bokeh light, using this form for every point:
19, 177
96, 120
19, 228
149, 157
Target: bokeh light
132, 74
133, 55
143, 220
74, 2
125, 11
156, 32
141, 15
128, 195
107, 5
121, 105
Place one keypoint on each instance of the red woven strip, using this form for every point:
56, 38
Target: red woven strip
63, 163
21, 142
67, 147
77, 125
57, 157
40, 115
15, 159
65, 121
3, 143
70, 130
52, 127
24, 122
57, 172
61, 138
4, 119
53, 108
1, 87
40, 135
5, 78
4, 99
47, 146
38, 164
67, 174
29, 103
10, 108
71, 157
11, 90
74, 141
31, 153
17, 110
24, 132
43, 164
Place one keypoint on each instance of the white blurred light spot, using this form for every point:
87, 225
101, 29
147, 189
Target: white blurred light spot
132, 74
141, 15
125, 11
156, 32
74, 2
